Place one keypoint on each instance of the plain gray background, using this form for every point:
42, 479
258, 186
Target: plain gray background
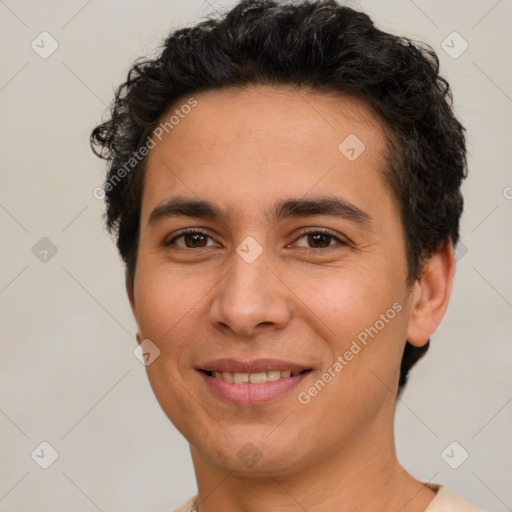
68, 374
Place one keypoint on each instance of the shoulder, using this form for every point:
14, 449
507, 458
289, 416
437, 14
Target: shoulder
448, 502
187, 507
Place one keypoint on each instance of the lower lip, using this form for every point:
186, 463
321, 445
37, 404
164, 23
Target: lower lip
252, 394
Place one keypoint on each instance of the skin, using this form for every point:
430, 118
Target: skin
245, 150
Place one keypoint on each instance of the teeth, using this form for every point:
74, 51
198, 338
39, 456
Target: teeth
256, 378
238, 378
253, 378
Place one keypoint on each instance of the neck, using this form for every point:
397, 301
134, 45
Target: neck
364, 476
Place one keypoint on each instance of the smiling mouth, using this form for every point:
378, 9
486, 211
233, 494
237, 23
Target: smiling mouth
253, 378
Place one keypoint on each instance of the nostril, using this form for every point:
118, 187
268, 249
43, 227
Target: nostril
264, 323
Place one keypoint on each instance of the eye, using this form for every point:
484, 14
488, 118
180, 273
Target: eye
191, 239
318, 239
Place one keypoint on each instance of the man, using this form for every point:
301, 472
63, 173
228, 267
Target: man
284, 183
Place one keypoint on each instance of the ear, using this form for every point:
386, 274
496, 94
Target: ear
131, 297
129, 284
431, 295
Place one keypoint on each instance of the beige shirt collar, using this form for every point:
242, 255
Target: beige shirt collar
444, 501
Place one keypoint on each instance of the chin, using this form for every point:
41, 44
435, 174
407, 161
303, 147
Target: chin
250, 451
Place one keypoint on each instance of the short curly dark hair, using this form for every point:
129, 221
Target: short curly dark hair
314, 45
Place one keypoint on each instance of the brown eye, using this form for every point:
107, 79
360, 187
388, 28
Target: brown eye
319, 240
193, 240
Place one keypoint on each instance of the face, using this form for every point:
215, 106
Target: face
271, 275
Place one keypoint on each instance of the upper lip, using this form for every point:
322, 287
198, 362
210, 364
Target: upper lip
254, 366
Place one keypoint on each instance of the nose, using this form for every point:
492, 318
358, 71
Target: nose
250, 298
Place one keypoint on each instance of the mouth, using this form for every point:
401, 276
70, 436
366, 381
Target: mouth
253, 378
252, 382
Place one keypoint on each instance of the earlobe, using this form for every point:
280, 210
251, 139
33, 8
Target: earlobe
431, 295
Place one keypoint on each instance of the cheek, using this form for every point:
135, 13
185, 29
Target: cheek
165, 302
166, 313
348, 300
363, 316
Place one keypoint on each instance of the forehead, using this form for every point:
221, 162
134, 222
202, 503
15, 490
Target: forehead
277, 115
260, 142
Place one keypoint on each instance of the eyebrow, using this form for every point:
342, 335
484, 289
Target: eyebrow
181, 207
331, 206
201, 209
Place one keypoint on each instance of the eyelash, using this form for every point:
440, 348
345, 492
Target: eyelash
321, 231
189, 231
306, 232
